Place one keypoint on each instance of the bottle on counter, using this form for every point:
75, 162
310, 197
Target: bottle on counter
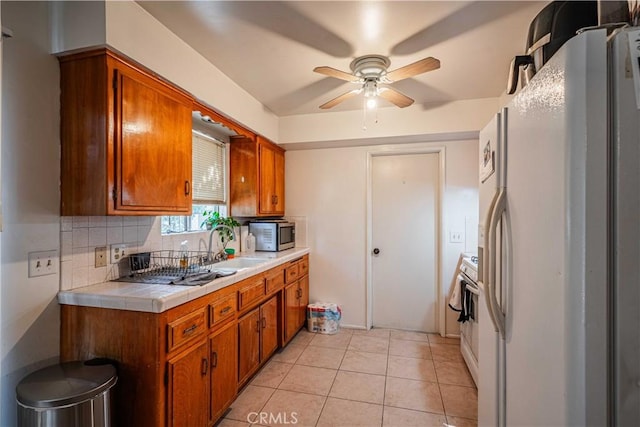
184, 255
250, 243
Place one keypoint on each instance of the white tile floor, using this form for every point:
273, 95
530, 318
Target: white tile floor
370, 378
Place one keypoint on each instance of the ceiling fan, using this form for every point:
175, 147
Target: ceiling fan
370, 71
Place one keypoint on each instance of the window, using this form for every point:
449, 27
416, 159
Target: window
209, 160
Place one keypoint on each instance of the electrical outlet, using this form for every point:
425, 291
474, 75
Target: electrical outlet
100, 257
43, 263
456, 236
118, 252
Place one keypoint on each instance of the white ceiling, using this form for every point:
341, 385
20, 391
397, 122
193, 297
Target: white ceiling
269, 48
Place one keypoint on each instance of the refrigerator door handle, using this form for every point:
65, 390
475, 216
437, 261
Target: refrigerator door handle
485, 279
497, 214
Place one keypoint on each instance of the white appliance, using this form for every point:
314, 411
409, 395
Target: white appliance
559, 243
469, 330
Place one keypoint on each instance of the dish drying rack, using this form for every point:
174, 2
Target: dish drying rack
172, 267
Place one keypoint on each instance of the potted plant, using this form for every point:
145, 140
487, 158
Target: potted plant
214, 219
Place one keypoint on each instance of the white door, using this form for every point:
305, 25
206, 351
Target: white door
404, 191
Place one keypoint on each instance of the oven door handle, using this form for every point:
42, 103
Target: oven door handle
473, 288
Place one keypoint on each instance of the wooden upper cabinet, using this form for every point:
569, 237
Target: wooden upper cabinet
257, 177
126, 139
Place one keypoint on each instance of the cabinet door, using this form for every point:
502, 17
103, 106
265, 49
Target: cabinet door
188, 388
267, 179
248, 344
303, 300
269, 325
291, 311
224, 375
152, 145
278, 207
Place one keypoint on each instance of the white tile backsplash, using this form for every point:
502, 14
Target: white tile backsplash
80, 221
79, 236
130, 234
98, 236
114, 221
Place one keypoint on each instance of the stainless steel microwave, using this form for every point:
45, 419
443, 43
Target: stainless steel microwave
273, 235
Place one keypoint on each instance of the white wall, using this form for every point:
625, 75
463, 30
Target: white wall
30, 196
329, 187
460, 119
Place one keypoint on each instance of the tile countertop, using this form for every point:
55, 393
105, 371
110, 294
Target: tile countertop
158, 298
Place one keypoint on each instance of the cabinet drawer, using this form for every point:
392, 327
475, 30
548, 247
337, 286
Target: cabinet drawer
185, 329
292, 272
275, 281
251, 293
303, 267
222, 309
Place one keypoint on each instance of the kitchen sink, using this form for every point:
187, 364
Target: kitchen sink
240, 263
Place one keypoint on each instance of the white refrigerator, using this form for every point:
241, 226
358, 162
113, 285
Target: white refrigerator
559, 243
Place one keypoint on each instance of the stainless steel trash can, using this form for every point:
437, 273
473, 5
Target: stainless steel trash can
71, 394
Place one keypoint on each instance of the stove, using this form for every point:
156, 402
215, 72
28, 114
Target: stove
469, 332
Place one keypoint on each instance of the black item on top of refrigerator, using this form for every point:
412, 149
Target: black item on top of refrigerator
550, 29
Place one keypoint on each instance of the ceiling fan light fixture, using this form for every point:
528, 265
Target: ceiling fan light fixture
372, 103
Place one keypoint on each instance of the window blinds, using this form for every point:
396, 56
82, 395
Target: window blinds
208, 170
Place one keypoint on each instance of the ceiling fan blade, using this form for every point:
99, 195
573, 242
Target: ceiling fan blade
395, 97
418, 67
332, 72
337, 100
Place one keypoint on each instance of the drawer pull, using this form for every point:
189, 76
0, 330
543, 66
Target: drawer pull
204, 367
214, 359
225, 310
191, 329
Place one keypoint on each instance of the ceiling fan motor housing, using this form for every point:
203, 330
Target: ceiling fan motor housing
370, 67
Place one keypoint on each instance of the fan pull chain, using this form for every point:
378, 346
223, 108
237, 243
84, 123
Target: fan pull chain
364, 115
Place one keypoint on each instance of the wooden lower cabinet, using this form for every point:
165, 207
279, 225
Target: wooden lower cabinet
248, 344
296, 299
188, 387
269, 328
257, 338
184, 366
224, 373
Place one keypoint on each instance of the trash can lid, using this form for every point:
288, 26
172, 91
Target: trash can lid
64, 384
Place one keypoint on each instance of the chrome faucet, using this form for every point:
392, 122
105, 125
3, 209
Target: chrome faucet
214, 229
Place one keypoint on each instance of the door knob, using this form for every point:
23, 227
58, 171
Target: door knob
376, 251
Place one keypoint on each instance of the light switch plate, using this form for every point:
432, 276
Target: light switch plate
43, 263
456, 236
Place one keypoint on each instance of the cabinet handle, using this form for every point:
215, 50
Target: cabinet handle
204, 367
276, 199
187, 188
258, 325
225, 310
214, 359
264, 322
191, 329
